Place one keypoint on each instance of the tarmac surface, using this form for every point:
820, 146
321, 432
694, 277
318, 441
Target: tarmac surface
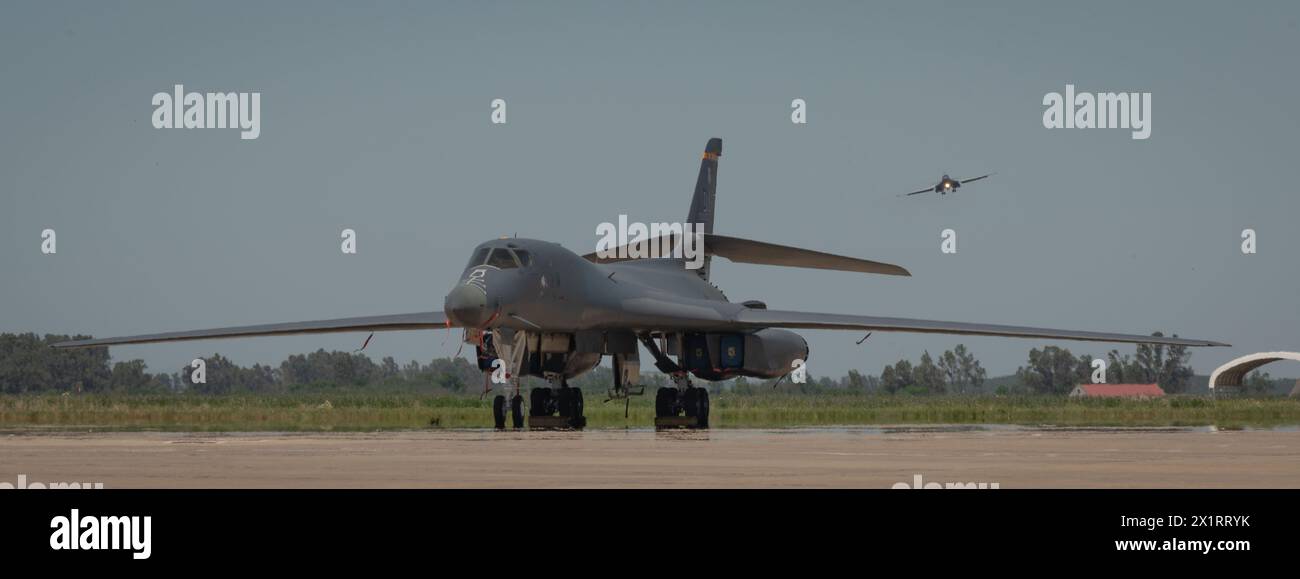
1012, 457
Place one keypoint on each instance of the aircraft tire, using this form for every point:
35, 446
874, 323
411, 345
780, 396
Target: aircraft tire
664, 402
702, 412
539, 402
499, 412
563, 401
576, 406
517, 411
692, 402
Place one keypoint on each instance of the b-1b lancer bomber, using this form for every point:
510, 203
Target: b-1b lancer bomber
948, 185
534, 308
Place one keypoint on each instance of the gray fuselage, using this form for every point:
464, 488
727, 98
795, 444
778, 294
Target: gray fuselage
557, 290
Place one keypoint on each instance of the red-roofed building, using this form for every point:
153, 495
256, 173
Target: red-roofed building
1118, 390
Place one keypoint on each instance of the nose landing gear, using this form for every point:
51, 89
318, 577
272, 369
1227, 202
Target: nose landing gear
515, 410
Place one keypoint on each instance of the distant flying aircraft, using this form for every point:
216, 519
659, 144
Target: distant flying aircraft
948, 185
534, 308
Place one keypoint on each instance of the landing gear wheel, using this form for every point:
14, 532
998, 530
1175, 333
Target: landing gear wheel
541, 403
702, 412
499, 412
576, 403
696, 401
579, 420
517, 411
691, 400
664, 399
564, 402
571, 407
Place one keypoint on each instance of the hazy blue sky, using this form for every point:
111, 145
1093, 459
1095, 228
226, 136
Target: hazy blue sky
377, 119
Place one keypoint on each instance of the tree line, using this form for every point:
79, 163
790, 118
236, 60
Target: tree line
956, 372
1054, 370
29, 365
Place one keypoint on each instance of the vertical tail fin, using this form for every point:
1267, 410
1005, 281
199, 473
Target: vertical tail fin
706, 188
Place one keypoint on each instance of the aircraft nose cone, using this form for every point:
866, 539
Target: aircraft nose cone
467, 306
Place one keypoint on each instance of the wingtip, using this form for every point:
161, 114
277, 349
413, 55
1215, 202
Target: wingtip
1202, 343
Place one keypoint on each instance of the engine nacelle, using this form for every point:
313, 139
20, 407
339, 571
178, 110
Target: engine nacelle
767, 353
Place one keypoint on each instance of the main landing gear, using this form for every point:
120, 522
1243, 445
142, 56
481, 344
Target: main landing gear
556, 407
682, 406
548, 408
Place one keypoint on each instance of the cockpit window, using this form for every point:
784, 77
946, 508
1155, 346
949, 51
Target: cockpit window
501, 258
525, 258
480, 257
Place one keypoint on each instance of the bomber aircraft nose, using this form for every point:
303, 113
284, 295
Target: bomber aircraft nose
467, 306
